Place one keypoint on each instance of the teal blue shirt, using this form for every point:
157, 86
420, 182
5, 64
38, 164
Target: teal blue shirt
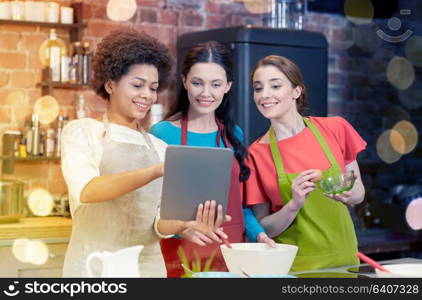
171, 134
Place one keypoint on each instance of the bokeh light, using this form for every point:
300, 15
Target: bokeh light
385, 150
121, 10
259, 6
393, 115
412, 97
413, 214
413, 50
397, 141
400, 73
359, 12
37, 252
47, 108
40, 202
409, 134
19, 249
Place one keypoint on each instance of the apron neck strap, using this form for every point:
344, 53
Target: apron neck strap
106, 123
220, 133
323, 143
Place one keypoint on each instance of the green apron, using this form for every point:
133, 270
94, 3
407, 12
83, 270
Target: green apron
323, 229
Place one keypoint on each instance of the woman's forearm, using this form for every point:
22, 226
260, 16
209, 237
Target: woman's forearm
169, 227
358, 193
276, 223
358, 190
108, 187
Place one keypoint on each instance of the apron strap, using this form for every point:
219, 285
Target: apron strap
323, 144
283, 182
220, 134
145, 135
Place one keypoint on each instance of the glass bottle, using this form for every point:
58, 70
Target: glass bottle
81, 108
55, 52
86, 63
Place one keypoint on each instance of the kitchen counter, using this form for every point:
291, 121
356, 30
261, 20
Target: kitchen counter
362, 270
49, 229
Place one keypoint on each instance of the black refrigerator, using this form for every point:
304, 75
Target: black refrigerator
249, 44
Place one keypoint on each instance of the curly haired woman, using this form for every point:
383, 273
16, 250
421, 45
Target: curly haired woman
113, 168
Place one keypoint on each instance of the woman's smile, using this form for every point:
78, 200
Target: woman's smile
205, 102
141, 106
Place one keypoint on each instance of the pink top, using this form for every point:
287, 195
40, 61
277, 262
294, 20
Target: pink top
299, 153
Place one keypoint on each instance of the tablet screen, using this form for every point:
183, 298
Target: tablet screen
193, 175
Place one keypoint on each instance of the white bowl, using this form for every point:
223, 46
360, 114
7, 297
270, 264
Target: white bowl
259, 258
215, 275
401, 270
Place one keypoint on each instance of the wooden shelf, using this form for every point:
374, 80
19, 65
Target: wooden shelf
47, 86
30, 158
44, 24
8, 165
64, 85
75, 29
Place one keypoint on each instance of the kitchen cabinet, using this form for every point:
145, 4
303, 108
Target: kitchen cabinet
54, 232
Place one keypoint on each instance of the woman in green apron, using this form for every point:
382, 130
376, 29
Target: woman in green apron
289, 205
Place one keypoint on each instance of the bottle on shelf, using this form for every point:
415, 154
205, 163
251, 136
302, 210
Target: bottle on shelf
73, 72
42, 143
28, 136
50, 142
35, 135
54, 57
86, 64
77, 61
65, 69
60, 124
81, 108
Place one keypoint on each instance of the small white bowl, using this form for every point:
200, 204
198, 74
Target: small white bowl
212, 274
401, 270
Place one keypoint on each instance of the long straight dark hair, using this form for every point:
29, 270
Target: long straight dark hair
212, 52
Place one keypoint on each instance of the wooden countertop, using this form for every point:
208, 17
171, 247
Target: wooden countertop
37, 228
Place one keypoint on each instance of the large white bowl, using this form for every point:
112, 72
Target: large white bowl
259, 258
401, 270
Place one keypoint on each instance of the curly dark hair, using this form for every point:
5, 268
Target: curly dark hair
121, 49
215, 52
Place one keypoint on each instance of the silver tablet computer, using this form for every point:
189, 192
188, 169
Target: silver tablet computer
193, 175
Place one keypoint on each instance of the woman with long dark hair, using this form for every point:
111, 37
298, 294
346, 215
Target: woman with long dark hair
202, 116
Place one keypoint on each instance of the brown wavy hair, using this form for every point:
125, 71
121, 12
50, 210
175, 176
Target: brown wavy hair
291, 71
121, 49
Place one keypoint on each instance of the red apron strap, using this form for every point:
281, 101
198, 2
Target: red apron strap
184, 128
220, 134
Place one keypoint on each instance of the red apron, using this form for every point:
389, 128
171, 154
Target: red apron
234, 229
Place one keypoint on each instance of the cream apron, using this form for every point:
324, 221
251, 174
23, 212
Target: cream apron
123, 222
